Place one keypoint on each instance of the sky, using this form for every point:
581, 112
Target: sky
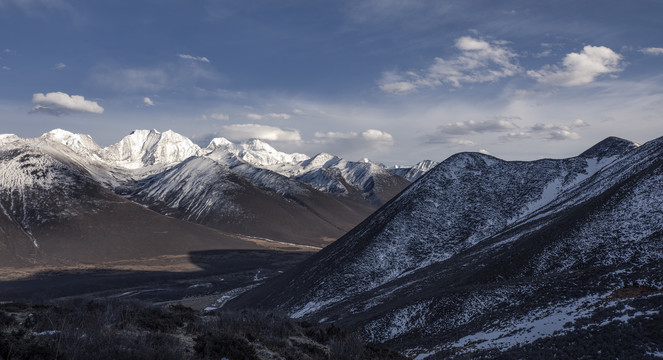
394, 81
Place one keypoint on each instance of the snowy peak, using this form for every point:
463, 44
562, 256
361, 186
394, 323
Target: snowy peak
322, 160
150, 147
218, 143
255, 152
7, 138
79, 143
610, 146
415, 172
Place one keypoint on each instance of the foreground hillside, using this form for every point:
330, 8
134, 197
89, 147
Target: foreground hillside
487, 257
132, 330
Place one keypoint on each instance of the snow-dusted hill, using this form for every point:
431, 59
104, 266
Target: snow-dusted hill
482, 255
239, 198
53, 211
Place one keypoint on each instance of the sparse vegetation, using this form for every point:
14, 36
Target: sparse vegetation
114, 329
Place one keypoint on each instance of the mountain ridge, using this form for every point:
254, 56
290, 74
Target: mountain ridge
430, 274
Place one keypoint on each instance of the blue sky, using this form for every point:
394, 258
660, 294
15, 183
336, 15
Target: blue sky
395, 81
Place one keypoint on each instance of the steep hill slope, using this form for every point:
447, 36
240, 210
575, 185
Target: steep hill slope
236, 197
483, 254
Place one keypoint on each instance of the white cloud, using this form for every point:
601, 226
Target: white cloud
298, 111
652, 51
377, 137
368, 139
59, 66
242, 132
479, 61
148, 101
516, 136
563, 134
279, 116
194, 58
450, 140
7, 68
474, 127
336, 135
579, 123
580, 68
546, 132
219, 116
399, 87
57, 103
445, 134
254, 116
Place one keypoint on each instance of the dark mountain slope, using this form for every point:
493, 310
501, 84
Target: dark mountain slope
503, 272
241, 198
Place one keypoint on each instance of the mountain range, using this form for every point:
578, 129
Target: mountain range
65, 199
482, 257
477, 257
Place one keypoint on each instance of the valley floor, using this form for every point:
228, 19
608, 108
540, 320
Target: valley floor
198, 279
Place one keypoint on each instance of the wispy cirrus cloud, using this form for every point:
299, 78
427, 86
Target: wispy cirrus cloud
155, 78
279, 116
194, 58
58, 103
652, 51
580, 68
219, 116
479, 61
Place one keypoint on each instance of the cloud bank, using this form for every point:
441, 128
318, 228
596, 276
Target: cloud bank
372, 139
243, 132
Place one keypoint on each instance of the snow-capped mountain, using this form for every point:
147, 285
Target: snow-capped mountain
248, 188
414, 172
482, 255
240, 198
143, 148
331, 174
255, 152
53, 211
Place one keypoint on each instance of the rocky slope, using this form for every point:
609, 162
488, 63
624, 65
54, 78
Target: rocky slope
482, 255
